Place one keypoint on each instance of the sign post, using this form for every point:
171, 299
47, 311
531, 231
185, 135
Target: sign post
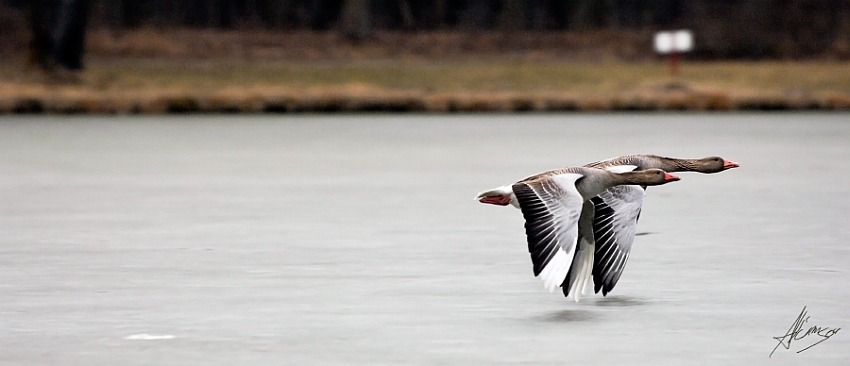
673, 43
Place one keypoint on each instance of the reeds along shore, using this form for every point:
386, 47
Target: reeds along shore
419, 88
86, 102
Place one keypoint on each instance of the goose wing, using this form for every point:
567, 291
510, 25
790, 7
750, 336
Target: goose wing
615, 215
551, 207
580, 273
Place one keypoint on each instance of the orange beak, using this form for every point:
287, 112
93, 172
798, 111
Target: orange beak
670, 177
728, 164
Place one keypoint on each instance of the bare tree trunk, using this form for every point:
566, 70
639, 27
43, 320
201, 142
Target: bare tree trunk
438, 17
581, 14
209, 22
58, 28
70, 32
356, 24
406, 14
130, 13
41, 42
512, 16
537, 14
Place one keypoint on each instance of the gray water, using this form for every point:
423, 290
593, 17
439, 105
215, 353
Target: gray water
355, 240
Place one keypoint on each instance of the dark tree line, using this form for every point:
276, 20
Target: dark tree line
390, 14
724, 28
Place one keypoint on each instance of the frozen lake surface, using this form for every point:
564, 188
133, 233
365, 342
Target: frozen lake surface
355, 240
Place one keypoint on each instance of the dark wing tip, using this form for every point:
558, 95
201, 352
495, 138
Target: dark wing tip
610, 259
539, 226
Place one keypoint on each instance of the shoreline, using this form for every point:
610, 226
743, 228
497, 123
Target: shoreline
342, 101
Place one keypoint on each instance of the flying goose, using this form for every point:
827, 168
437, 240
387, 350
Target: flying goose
615, 213
552, 204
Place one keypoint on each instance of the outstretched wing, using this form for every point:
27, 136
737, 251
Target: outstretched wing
616, 212
580, 273
551, 207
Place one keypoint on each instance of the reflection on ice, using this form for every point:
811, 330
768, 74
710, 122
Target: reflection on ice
619, 300
568, 316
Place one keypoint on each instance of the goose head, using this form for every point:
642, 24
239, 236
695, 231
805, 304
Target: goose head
713, 164
649, 177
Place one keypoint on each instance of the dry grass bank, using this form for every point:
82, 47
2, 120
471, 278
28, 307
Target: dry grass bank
400, 85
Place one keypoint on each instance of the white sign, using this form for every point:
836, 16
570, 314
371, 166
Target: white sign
676, 41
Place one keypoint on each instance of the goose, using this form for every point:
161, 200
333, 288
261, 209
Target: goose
552, 204
615, 213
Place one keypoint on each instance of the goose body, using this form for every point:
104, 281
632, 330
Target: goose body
552, 204
614, 213
605, 223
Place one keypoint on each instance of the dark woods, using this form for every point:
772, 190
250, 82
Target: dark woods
57, 30
724, 28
